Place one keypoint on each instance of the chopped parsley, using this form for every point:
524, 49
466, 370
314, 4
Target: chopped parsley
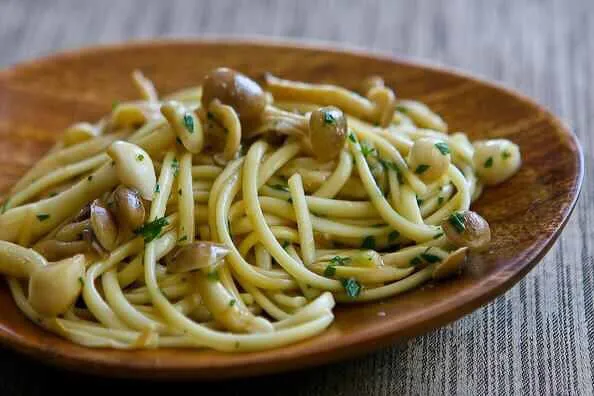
340, 260
416, 261
53, 194
290, 200
443, 148
151, 230
368, 242
489, 162
139, 157
401, 109
457, 221
81, 281
175, 166
352, 137
179, 191
421, 169
182, 239
329, 118
351, 287
90, 178
419, 201
213, 276
232, 302
5, 205
505, 155
430, 258
393, 236
178, 140
330, 270
115, 104
366, 149
285, 244
157, 188
189, 122
437, 236
43, 216
440, 200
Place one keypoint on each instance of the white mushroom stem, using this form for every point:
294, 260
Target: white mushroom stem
18, 261
134, 167
72, 200
54, 288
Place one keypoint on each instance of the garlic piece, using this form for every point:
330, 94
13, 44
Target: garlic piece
134, 167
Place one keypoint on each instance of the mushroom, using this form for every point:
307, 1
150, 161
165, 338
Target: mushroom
55, 287
53, 249
496, 160
103, 225
185, 125
196, 255
467, 229
18, 261
236, 90
79, 132
429, 158
128, 207
323, 132
451, 266
134, 167
73, 231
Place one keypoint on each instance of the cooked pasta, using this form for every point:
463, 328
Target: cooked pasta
232, 217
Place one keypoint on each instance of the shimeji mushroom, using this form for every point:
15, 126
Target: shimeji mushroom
451, 265
18, 261
55, 287
128, 208
467, 229
429, 158
185, 125
134, 167
496, 160
198, 255
80, 132
104, 226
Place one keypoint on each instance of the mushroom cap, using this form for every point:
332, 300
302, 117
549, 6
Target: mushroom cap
103, 225
236, 90
128, 207
451, 266
196, 255
327, 132
467, 229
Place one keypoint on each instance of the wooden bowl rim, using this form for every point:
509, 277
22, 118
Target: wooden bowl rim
351, 344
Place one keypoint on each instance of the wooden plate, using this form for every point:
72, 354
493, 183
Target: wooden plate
38, 99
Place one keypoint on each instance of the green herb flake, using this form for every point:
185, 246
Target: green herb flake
139, 157
437, 236
352, 137
368, 242
178, 140
430, 258
340, 260
5, 205
179, 192
330, 271
420, 201
285, 244
90, 177
393, 236
53, 194
489, 162
421, 169
443, 148
232, 302
42, 216
175, 166
157, 188
290, 200
457, 221
416, 261
114, 104
189, 122
351, 287
366, 150
151, 230
505, 154
440, 200
81, 281
213, 276
329, 118
182, 239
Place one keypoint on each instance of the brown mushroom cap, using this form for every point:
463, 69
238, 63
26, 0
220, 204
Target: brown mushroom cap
128, 207
327, 132
236, 90
196, 255
103, 225
467, 229
53, 250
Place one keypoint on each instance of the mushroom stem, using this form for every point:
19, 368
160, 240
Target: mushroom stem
18, 261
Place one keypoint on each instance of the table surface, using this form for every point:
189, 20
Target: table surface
538, 338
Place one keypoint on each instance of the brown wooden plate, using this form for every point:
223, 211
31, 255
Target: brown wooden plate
38, 99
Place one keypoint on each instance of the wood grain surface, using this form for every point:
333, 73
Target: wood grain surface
536, 339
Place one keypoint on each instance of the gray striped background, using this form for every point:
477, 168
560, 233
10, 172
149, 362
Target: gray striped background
536, 339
